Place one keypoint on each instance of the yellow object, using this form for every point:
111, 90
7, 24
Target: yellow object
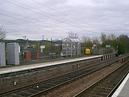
87, 51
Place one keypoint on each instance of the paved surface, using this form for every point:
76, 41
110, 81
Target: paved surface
123, 89
40, 65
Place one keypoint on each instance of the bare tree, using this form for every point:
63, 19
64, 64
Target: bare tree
72, 35
103, 37
96, 40
2, 34
87, 42
111, 37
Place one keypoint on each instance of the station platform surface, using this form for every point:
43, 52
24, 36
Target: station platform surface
46, 64
123, 89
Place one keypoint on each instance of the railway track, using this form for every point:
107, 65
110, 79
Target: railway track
45, 86
106, 86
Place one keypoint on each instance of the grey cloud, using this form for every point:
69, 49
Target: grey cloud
54, 18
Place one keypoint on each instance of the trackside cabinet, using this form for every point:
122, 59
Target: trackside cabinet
2, 54
13, 53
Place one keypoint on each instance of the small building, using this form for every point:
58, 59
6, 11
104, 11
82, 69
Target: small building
71, 47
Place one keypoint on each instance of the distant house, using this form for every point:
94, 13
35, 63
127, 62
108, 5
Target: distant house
71, 47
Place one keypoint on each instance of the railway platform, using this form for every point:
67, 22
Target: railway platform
41, 65
15, 77
123, 89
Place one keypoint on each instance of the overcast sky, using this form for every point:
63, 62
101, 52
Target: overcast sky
55, 18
